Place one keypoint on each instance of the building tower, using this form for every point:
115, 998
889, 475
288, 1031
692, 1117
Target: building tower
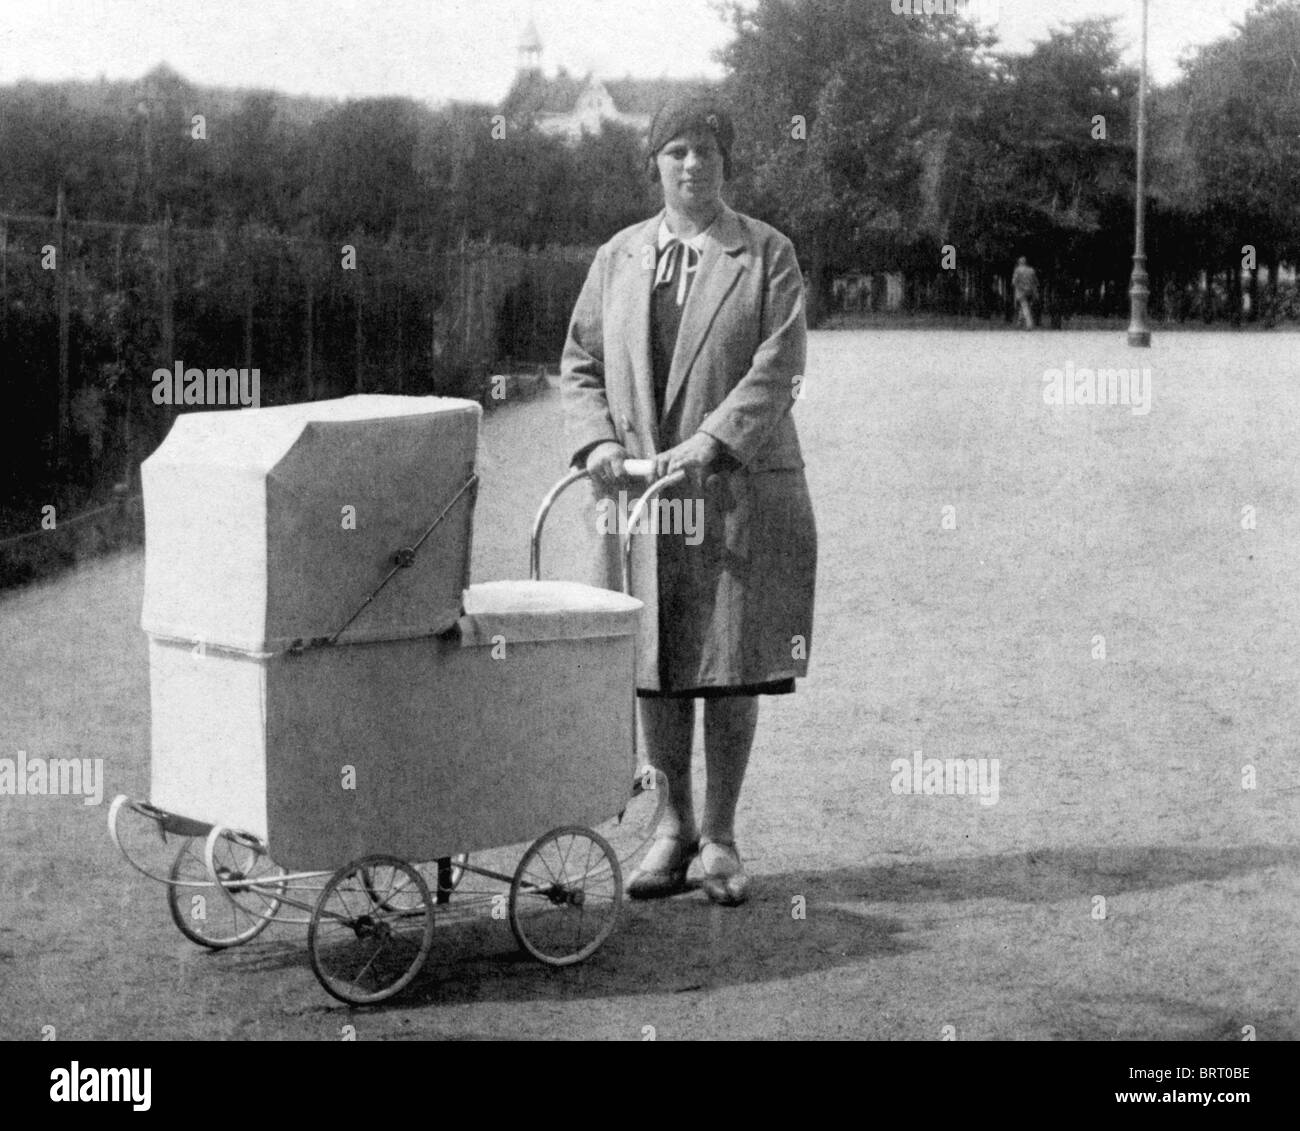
530, 49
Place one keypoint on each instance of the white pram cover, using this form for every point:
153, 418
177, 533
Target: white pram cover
265, 526
441, 720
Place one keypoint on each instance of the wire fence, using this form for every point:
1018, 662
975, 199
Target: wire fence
64, 541
89, 311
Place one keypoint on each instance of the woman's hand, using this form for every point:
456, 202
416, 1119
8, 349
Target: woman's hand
605, 464
694, 457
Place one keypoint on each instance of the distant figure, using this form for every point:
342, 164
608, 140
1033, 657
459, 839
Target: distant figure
1024, 281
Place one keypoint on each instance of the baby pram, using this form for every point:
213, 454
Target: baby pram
334, 705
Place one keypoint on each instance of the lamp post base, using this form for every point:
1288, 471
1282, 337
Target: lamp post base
1139, 294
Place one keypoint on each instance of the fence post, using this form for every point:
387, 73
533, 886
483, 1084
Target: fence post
250, 286
128, 386
4, 278
309, 343
248, 323
536, 334
462, 301
485, 330
62, 281
360, 337
401, 351
434, 315
168, 326
465, 289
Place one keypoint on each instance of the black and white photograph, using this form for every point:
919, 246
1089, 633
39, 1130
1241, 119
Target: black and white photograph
676, 521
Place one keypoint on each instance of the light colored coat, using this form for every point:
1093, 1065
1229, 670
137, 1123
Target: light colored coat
737, 607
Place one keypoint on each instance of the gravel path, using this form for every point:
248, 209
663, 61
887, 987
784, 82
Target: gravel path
877, 914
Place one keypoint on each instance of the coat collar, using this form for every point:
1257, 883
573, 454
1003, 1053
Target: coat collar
665, 237
720, 265
726, 231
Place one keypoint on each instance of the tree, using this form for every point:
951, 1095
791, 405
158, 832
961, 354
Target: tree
840, 105
363, 168
1240, 130
1049, 161
260, 165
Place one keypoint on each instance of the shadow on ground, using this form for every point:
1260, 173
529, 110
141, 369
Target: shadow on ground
686, 945
1127, 1017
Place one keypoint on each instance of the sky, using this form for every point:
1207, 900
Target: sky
436, 50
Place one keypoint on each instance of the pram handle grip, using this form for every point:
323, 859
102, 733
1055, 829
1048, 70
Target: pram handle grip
633, 468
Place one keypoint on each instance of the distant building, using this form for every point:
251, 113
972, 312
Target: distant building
568, 107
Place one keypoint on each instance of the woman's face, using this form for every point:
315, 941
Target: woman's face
690, 170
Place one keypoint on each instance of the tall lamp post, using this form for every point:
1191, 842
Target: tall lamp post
1139, 332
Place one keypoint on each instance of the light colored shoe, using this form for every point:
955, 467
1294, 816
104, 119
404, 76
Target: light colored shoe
725, 881
672, 856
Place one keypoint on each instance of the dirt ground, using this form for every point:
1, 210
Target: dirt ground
1120, 778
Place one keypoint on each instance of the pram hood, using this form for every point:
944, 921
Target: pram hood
271, 526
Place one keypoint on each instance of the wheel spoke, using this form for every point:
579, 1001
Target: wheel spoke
564, 860
550, 873
349, 916
373, 956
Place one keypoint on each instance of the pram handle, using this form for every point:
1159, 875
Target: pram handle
633, 468
634, 516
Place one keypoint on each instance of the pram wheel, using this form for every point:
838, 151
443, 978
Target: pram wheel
371, 930
565, 896
213, 918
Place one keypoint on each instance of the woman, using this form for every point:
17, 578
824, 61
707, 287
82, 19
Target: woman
687, 347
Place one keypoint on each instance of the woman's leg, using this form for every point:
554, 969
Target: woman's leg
669, 729
728, 738
668, 726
